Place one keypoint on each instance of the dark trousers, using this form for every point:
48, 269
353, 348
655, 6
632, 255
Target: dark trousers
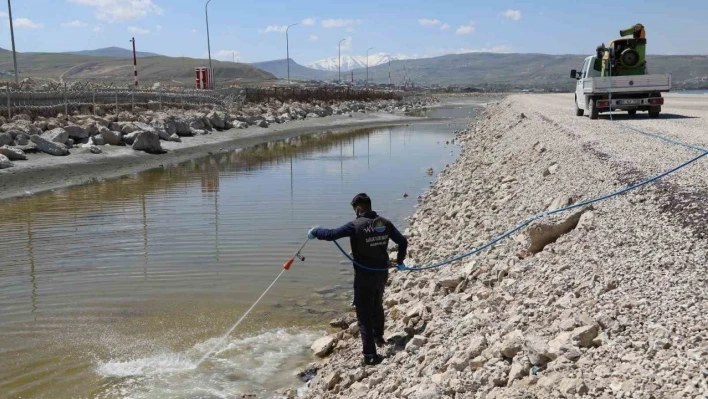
368, 299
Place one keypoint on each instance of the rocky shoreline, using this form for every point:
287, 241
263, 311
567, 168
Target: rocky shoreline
144, 130
608, 302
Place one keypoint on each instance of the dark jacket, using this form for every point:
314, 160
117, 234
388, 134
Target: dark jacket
368, 234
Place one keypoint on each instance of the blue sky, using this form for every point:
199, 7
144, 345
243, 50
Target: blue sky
253, 29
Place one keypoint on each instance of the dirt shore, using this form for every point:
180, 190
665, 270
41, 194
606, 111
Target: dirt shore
612, 307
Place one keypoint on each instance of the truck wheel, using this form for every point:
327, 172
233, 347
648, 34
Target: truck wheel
594, 112
632, 112
654, 112
578, 111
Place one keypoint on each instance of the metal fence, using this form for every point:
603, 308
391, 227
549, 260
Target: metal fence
89, 99
50, 103
283, 94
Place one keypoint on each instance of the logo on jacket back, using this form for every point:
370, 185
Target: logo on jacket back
376, 226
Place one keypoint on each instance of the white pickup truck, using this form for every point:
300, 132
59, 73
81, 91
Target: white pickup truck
595, 94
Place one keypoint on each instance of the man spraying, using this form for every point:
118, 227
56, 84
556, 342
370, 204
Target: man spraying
369, 234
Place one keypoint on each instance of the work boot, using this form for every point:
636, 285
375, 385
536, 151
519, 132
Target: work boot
373, 360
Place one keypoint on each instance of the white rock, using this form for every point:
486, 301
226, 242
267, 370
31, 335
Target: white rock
323, 346
49, 147
5, 162
13, 154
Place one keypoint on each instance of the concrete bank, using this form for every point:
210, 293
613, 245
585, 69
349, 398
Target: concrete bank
615, 307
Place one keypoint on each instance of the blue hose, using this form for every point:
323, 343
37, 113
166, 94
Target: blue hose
704, 152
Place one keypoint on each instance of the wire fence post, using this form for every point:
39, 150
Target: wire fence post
93, 94
9, 106
66, 102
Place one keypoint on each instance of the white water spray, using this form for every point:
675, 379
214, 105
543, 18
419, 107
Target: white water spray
223, 338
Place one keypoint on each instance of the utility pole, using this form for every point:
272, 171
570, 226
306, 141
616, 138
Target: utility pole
287, 49
367, 66
12, 36
340, 60
135, 63
206, 12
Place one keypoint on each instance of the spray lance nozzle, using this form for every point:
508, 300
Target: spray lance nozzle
298, 255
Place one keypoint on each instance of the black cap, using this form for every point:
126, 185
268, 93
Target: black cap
361, 199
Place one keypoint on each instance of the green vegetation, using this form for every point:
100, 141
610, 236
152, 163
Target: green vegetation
56, 66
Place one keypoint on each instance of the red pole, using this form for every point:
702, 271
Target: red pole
135, 63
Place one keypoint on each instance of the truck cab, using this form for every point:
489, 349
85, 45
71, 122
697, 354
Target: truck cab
595, 94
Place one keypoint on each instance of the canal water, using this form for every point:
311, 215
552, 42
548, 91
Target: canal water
115, 289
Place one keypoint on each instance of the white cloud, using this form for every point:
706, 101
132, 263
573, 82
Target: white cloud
138, 31
26, 23
314, 38
513, 15
158, 28
194, 31
97, 28
120, 10
3, 14
340, 23
501, 49
424, 21
274, 28
227, 55
73, 24
346, 44
445, 27
465, 29
309, 21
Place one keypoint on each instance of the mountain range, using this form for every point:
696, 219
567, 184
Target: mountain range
350, 62
113, 52
495, 71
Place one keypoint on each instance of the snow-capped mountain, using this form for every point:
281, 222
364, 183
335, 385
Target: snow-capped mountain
350, 62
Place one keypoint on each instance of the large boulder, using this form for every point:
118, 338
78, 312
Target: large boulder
148, 142
22, 139
13, 154
182, 128
161, 133
76, 132
6, 139
21, 126
217, 119
126, 116
21, 117
196, 124
128, 127
129, 138
5, 162
323, 346
46, 146
57, 135
110, 137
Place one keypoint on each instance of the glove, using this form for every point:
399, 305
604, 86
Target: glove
311, 233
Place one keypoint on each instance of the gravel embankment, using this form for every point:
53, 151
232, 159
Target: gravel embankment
617, 307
